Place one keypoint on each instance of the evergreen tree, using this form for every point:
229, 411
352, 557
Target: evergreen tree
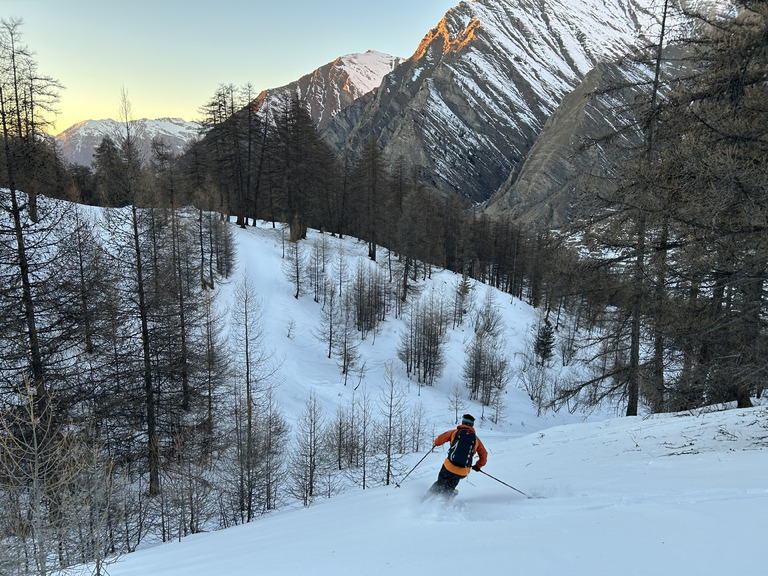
303, 170
544, 345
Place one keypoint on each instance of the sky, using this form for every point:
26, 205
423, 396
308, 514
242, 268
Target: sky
662, 495
169, 56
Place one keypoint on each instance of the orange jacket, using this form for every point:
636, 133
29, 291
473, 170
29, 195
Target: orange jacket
479, 450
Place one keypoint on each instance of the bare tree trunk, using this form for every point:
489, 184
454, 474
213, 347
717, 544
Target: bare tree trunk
636, 307
132, 163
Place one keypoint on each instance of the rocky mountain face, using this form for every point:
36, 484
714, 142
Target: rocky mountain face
468, 106
583, 142
541, 192
578, 147
331, 88
78, 142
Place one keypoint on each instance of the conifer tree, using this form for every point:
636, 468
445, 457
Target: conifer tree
716, 211
625, 222
392, 407
486, 369
347, 340
307, 461
254, 368
370, 183
544, 345
22, 253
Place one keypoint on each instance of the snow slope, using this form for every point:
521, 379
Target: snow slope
662, 495
292, 327
668, 495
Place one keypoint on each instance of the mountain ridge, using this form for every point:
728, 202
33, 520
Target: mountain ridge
78, 142
330, 88
326, 90
467, 107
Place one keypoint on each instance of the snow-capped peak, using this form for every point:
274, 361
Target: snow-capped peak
366, 70
78, 142
332, 87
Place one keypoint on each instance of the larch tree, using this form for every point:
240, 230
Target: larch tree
130, 249
623, 222
19, 209
392, 409
254, 367
27, 101
307, 461
719, 212
347, 337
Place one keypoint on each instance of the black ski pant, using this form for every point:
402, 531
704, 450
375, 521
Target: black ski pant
446, 481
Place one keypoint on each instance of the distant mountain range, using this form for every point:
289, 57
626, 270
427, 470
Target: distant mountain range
468, 109
326, 91
78, 142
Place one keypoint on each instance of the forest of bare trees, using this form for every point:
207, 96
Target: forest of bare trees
678, 232
127, 415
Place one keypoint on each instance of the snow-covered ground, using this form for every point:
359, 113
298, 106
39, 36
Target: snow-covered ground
663, 495
292, 328
668, 495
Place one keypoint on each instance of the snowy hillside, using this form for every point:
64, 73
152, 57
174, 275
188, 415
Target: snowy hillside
78, 142
669, 495
663, 495
293, 328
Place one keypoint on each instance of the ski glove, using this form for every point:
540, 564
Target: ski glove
476, 468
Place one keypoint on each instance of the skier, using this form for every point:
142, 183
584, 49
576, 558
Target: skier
464, 445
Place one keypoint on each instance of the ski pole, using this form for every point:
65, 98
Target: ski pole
397, 484
505, 484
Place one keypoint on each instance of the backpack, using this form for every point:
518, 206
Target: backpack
462, 448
